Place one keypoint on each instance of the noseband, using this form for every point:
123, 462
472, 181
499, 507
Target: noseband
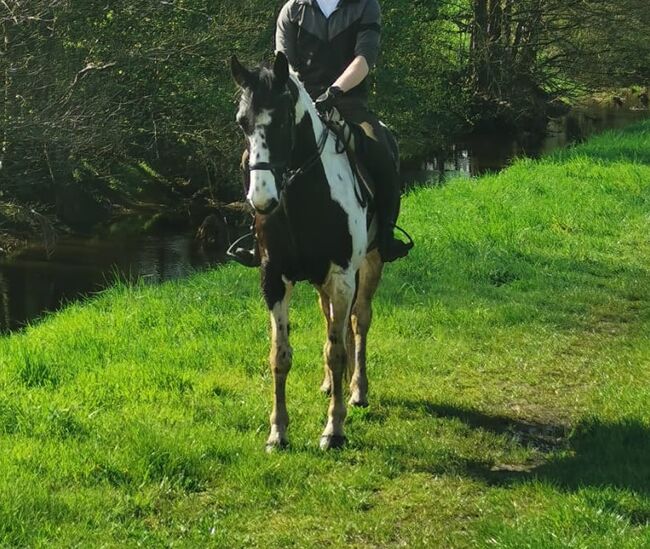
278, 169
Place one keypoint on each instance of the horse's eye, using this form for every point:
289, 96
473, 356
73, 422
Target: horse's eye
243, 123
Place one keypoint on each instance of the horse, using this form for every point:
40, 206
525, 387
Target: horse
311, 226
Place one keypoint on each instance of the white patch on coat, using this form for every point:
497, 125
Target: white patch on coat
244, 105
263, 118
262, 190
341, 189
300, 105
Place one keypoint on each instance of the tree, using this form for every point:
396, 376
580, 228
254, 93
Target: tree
525, 54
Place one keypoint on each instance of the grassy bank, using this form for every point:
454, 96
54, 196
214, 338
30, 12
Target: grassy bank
510, 382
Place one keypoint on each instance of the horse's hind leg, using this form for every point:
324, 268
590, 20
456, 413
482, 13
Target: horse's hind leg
369, 275
340, 289
324, 302
280, 360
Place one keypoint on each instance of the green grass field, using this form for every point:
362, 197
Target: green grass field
509, 366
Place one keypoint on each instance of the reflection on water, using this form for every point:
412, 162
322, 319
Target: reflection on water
32, 282
488, 153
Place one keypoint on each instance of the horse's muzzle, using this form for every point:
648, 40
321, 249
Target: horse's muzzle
271, 205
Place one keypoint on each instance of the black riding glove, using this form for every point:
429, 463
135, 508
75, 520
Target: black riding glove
328, 99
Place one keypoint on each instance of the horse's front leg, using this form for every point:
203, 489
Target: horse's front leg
340, 289
361, 317
277, 294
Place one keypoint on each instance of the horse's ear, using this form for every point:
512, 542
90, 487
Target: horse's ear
240, 73
281, 70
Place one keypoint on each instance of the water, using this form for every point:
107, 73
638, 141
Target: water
34, 282
488, 153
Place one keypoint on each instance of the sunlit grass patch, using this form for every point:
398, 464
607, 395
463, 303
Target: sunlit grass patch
509, 393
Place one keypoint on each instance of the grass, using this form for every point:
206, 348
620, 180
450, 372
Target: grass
510, 382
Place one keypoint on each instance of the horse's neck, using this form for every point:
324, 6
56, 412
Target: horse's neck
305, 107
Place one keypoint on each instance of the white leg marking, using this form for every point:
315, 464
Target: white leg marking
340, 289
280, 361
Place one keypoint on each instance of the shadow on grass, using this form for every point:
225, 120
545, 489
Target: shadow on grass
592, 454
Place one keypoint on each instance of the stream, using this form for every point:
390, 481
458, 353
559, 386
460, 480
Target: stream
35, 281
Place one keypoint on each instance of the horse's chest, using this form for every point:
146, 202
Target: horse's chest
308, 233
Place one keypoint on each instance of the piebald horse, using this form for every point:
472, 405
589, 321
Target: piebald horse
310, 225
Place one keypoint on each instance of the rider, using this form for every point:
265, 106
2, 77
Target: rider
332, 45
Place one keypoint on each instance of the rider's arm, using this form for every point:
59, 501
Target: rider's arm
366, 48
286, 35
354, 74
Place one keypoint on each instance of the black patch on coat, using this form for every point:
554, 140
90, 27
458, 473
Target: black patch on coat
309, 230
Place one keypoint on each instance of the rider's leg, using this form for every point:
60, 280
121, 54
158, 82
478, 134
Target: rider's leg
387, 198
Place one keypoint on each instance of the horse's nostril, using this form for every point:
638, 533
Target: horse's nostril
268, 207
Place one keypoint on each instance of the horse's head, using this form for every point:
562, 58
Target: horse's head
267, 115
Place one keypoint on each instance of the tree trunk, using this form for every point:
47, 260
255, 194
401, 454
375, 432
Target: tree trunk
4, 145
479, 47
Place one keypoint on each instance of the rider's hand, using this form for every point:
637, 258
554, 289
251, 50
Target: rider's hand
328, 99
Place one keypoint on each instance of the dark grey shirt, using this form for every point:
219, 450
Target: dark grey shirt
321, 48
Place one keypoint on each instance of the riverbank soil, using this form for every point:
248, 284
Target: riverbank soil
509, 388
135, 203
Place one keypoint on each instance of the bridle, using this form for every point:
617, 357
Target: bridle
284, 177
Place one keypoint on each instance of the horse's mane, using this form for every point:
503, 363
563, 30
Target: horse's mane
304, 100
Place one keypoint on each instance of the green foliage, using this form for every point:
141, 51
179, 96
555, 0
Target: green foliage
509, 388
609, 53
121, 83
124, 83
419, 90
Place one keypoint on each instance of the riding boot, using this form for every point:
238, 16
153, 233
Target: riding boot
390, 248
387, 201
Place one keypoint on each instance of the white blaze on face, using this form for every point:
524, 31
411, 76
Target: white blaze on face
262, 190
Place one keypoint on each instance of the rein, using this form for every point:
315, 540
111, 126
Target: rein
284, 177
344, 145
320, 147
279, 169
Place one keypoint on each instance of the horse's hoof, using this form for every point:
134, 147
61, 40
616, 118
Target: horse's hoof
332, 442
358, 403
276, 445
326, 389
